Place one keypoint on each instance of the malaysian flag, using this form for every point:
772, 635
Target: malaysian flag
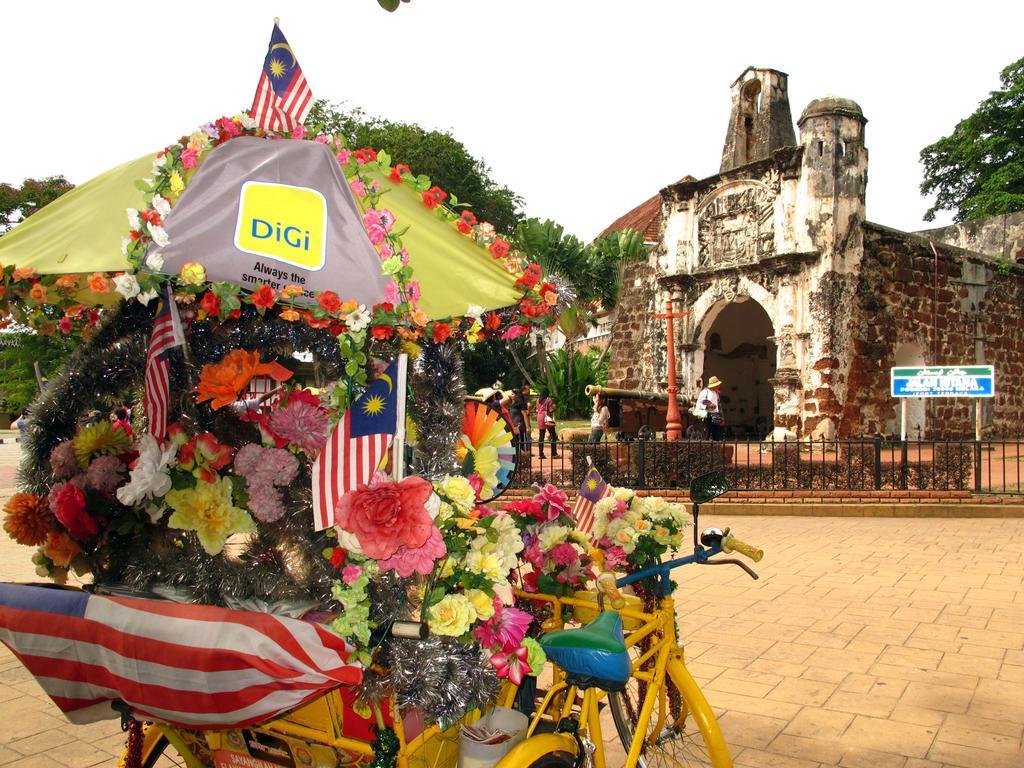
167, 334
283, 97
593, 489
359, 442
190, 665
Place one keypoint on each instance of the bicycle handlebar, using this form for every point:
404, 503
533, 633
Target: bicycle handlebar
731, 544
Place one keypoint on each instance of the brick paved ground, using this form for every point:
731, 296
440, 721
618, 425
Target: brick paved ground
867, 642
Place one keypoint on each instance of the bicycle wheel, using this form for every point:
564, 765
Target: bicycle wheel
689, 736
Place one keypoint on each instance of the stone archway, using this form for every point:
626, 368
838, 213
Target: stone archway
737, 341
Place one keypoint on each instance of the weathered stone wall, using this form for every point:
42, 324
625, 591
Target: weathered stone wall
638, 341
998, 236
904, 295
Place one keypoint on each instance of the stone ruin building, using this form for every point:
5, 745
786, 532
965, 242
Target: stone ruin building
799, 303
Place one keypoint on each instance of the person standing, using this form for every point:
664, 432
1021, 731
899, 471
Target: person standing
710, 400
119, 420
599, 418
546, 422
519, 413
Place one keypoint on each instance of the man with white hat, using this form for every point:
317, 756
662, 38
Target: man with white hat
710, 400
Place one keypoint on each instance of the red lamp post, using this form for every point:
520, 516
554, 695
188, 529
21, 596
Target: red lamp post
673, 420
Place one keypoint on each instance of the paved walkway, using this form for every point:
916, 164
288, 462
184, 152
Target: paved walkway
867, 643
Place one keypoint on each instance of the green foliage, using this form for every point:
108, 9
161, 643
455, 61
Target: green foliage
594, 270
489, 361
569, 373
18, 385
17, 203
436, 154
978, 170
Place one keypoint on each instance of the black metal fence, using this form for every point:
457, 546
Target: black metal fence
828, 466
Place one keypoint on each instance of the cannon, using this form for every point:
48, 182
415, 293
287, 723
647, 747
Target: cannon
636, 412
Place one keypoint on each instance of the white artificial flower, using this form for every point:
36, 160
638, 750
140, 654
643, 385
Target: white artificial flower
133, 218
161, 205
148, 296
150, 478
358, 320
159, 235
433, 505
552, 536
155, 261
475, 311
125, 242
347, 540
127, 286
159, 162
247, 122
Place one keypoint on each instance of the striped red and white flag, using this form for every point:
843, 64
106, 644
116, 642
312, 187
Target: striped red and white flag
359, 442
190, 665
593, 489
167, 334
283, 97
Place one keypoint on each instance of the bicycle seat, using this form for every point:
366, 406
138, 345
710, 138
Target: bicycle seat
593, 656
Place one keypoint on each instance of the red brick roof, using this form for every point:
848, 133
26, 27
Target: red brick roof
645, 218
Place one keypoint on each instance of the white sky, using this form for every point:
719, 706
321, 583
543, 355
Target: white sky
583, 107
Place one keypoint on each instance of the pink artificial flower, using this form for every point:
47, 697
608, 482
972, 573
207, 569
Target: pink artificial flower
476, 483
619, 511
343, 156
514, 332
104, 474
513, 666
351, 573
615, 557
65, 325
407, 561
299, 131
358, 187
301, 423
387, 517
391, 293
505, 630
555, 499
321, 139
189, 158
412, 291
564, 554
384, 249
63, 460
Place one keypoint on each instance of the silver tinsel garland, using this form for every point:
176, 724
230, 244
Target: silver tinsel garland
437, 407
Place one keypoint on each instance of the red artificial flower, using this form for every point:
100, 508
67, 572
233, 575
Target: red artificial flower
264, 297
466, 222
499, 248
364, 156
135, 234
234, 314
384, 306
151, 217
381, 332
530, 277
434, 196
387, 516
397, 171
92, 316
210, 304
65, 325
228, 129
492, 322
329, 301
68, 506
203, 455
338, 556
441, 332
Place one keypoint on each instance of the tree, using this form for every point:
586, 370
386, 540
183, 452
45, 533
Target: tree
978, 170
16, 203
438, 155
18, 353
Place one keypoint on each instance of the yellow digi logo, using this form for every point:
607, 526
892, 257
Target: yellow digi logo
284, 223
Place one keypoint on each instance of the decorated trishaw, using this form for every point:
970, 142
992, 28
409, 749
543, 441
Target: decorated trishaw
295, 553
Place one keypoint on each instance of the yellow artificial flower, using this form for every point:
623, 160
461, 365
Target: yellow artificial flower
207, 510
486, 564
100, 439
193, 273
457, 489
473, 334
483, 604
177, 183
452, 616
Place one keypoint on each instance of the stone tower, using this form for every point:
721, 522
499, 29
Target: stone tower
760, 122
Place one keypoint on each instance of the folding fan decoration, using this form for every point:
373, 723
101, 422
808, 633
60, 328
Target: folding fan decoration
487, 450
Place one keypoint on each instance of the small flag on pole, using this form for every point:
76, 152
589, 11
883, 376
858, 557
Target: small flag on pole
167, 334
283, 98
593, 489
193, 665
358, 443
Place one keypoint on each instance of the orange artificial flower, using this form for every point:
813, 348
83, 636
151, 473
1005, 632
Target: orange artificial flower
38, 292
291, 291
223, 382
22, 273
349, 306
419, 317
67, 282
28, 520
98, 283
290, 315
264, 297
61, 549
